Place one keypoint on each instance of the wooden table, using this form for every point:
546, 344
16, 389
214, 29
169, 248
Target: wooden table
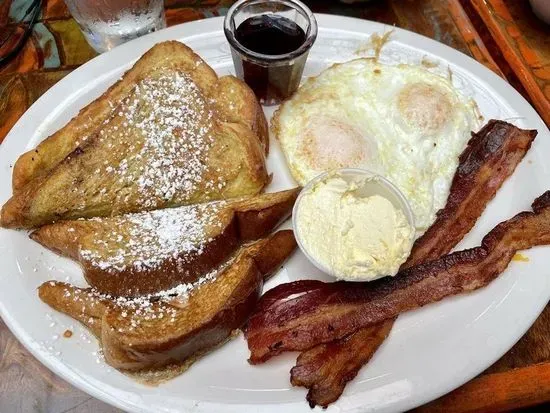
521, 378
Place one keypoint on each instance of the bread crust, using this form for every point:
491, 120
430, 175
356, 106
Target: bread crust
204, 319
240, 221
165, 56
56, 181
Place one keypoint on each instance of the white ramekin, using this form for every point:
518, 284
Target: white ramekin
376, 185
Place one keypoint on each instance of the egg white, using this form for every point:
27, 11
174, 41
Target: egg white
403, 122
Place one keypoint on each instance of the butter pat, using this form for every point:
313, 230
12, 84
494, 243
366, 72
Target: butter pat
353, 234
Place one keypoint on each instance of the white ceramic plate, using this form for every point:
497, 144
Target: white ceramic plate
430, 351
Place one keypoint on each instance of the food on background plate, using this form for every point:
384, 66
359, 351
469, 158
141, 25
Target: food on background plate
174, 327
354, 225
146, 252
179, 136
402, 122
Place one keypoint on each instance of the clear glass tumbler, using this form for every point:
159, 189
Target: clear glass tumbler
109, 23
273, 76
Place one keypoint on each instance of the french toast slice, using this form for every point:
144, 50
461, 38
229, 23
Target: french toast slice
234, 100
142, 253
178, 324
172, 140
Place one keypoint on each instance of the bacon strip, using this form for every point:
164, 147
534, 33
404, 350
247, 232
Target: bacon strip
489, 159
341, 308
327, 368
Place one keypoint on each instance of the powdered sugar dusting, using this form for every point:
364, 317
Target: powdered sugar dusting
145, 240
161, 136
161, 305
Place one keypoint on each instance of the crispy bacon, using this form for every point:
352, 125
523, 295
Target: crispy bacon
298, 322
327, 368
489, 159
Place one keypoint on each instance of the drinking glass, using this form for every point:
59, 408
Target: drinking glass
109, 23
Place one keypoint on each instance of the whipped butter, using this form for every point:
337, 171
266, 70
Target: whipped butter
357, 236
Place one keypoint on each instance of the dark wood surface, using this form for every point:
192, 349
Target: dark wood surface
521, 378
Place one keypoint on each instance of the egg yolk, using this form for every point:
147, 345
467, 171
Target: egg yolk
424, 107
331, 144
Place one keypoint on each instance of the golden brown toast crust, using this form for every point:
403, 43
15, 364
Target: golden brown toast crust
173, 330
156, 376
164, 56
173, 140
237, 222
240, 107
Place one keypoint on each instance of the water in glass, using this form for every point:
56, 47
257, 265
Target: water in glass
107, 23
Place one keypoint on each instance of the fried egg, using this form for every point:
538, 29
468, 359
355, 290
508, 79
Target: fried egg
403, 122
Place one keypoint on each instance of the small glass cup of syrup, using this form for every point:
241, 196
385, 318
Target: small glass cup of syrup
270, 41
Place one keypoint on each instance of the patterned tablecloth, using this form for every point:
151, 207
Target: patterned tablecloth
57, 47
